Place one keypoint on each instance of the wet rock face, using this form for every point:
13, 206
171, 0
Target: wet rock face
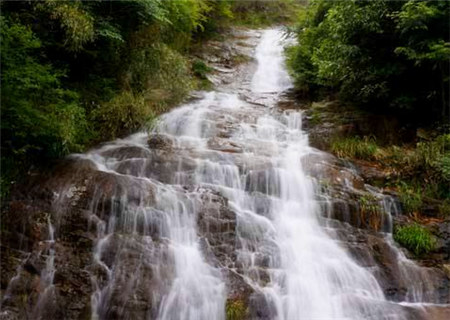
396, 275
223, 145
78, 200
358, 212
25, 288
160, 142
345, 196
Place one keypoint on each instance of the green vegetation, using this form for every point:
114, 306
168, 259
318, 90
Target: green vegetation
389, 56
369, 204
354, 147
423, 170
257, 13
444, 208
200, 69
417, 174
75, 73
415, 238
236, 310
410, 197
386, 58
370, 210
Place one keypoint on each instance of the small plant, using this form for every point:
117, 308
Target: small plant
444, 166
415, 238
397, 157
355, 147
410, 197
200, 69
444, 208
370, 210
236, 309
315, 117
368, 203
428, 154
122, 114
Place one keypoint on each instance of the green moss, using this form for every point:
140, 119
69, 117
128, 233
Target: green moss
415, 238
354, 147
236, 309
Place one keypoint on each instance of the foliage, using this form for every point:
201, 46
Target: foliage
124, 113
257, 13
77, 24
369, 204
39, 118
410, 197
77, 72
415, 238
444, 208
434, 156
160, 72
379, 54
354, 147
200, 69
370, 210
427, 165
236, 310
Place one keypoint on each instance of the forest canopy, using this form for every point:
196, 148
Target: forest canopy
389, 56
75, 73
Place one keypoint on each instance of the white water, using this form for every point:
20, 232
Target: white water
310, 275
150, 254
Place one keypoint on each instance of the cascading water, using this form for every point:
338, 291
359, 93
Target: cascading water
307, 275
216, 206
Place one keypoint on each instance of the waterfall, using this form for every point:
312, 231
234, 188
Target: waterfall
308, 275
217, 205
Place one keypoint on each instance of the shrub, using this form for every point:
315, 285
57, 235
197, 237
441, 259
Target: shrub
444, 166
444, 208
236, 310
355, 147
200, 69
160, 72
376, 54
257, 13
415, 238
396, 156
122, 114
410, 197
370, 210
429, 154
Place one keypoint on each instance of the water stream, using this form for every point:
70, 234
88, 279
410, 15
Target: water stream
218, 189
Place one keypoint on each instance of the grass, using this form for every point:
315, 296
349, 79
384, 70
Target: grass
415, 238
200, 69
444, 208
368, 204
410, 197
355, 147
315, 117
370, 210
